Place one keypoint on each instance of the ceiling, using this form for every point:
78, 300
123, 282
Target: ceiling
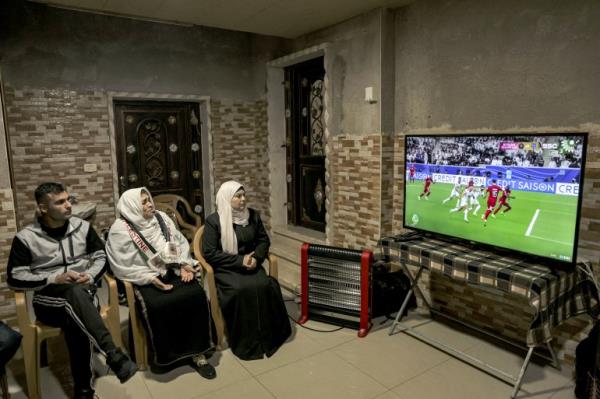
284, 18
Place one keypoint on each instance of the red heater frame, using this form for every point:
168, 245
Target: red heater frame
366, 260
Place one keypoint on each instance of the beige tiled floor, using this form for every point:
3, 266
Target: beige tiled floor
339, 365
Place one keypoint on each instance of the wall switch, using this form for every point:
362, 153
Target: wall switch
90, 167
369, 95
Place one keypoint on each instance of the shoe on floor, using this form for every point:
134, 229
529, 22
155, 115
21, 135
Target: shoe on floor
121, 365
204, 368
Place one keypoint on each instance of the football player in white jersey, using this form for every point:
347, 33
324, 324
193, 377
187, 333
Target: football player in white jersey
466, 198
478, 192
455, 191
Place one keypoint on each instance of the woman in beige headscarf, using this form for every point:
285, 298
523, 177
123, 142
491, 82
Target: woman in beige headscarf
235, 243
145, 248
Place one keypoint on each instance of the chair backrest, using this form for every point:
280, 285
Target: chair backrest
197, 242
181, 205
187, 229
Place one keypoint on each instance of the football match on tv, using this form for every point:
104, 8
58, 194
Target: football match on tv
519, 192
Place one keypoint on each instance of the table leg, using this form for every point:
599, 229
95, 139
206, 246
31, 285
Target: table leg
416, 278
555, 361
522, 373
413, 284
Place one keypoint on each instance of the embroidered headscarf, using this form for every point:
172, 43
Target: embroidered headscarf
130, 208
229, 216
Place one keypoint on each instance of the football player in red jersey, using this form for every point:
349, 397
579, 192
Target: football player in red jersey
411, 173
426, 189
503, 201
492, 192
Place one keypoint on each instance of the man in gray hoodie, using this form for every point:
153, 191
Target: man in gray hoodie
62, 258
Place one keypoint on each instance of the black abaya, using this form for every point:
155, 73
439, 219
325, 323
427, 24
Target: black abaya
251, 302
177, 321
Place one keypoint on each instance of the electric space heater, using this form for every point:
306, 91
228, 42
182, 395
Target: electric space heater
335, 286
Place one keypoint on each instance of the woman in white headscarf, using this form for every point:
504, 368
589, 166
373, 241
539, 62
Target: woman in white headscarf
145, 248
235, 243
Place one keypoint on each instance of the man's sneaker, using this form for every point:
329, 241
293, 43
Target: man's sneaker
121, 365
204, 368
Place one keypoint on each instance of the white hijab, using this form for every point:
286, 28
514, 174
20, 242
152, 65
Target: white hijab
229, 216
130, 207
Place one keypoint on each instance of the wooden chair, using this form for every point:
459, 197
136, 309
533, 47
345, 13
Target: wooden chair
34, 333
187, 229
182, 206
209, 276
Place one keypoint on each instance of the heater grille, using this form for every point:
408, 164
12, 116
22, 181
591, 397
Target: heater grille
335, 286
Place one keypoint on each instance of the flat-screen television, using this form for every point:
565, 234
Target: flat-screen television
520, 192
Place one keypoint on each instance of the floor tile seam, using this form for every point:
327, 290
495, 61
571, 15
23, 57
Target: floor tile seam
428, 323
421, 373
206, 394
571, 386
282, 365
361, 371
302, 357
477, 369
147, 387
265, 387
326, 348
211, 391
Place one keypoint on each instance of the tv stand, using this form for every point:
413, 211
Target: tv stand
506, 274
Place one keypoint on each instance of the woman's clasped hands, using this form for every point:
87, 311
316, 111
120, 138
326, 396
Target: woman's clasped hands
249, 261
187, 274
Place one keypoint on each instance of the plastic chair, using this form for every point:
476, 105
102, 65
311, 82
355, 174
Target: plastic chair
209, 277
187, 229
34, 333
138, 332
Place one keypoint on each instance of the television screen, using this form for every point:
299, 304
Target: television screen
521, 192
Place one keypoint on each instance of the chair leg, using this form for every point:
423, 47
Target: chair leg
137, 329
113, 323
31, 359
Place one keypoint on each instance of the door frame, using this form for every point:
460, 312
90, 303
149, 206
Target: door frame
206, 138
277, 132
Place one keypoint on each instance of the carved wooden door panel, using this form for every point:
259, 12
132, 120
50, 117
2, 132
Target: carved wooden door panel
159, 147
305, 144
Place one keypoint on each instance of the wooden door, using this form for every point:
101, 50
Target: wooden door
305, 144
159, 147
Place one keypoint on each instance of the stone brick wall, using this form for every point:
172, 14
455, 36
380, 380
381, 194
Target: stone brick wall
53, 133
8, 229
355, 177
240, 149
388, 183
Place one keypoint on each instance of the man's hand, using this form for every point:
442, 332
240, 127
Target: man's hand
84, 278
249, 261
160, 285
187, 273
69, 277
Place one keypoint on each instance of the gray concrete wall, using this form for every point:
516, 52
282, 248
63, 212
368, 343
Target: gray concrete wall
4, 168
469, 64
352, 62
45, 48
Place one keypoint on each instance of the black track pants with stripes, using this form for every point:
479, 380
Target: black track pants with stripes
71, 307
